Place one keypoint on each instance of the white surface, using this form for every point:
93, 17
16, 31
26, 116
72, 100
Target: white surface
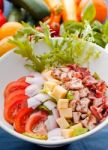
12, 67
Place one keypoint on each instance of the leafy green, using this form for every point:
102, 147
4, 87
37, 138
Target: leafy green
96, 76
70, 95
70, 49
89, 12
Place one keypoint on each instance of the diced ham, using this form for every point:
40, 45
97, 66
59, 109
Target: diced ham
65, 69
74, 84
84, 92
76, 117
83, 116
64, 77
56, 73
89, 81
73, 104
83, 105
92, 122
85, 122
76, 95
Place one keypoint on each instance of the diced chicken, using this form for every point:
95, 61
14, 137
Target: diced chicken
63, 123
56, 73
97, 102
49, 85
59, 92
62, 103
74, 84
84, 92
76, 117
83, 105
73, 104
66, 113
67, 133
85, 122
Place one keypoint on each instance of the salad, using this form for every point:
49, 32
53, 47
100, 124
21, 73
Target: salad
58, 103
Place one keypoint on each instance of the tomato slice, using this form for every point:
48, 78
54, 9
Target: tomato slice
12, 108
36, 119
14, 94
21, 119
13, 86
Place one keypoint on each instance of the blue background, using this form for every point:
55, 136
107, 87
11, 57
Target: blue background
98, 141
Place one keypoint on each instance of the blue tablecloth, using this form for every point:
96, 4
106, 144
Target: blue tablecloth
98, 141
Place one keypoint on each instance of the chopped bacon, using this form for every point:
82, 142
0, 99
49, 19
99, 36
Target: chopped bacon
96, 112
97, 102
84, 92
76, 117
74, 84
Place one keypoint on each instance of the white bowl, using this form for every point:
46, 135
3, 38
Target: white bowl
12, 67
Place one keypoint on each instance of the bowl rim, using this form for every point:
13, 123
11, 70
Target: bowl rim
52, 142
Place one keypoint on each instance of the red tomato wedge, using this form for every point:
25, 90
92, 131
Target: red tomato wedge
12, 108
14, 95
13, 86
21, 119
33, 122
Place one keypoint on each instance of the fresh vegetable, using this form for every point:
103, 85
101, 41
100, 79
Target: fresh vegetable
21, 119
9, 29
100, 6
35, 124
13, 108
95, 32
13, 86
53, 4
37, 8
72, 52
5, 45
2, 4
2, 19
69, 10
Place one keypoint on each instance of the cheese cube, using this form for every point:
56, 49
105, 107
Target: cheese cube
62, 103
62, 122
49, 85
59, 92
67, 133
66, 113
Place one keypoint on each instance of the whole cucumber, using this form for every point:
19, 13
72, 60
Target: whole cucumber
37, 8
